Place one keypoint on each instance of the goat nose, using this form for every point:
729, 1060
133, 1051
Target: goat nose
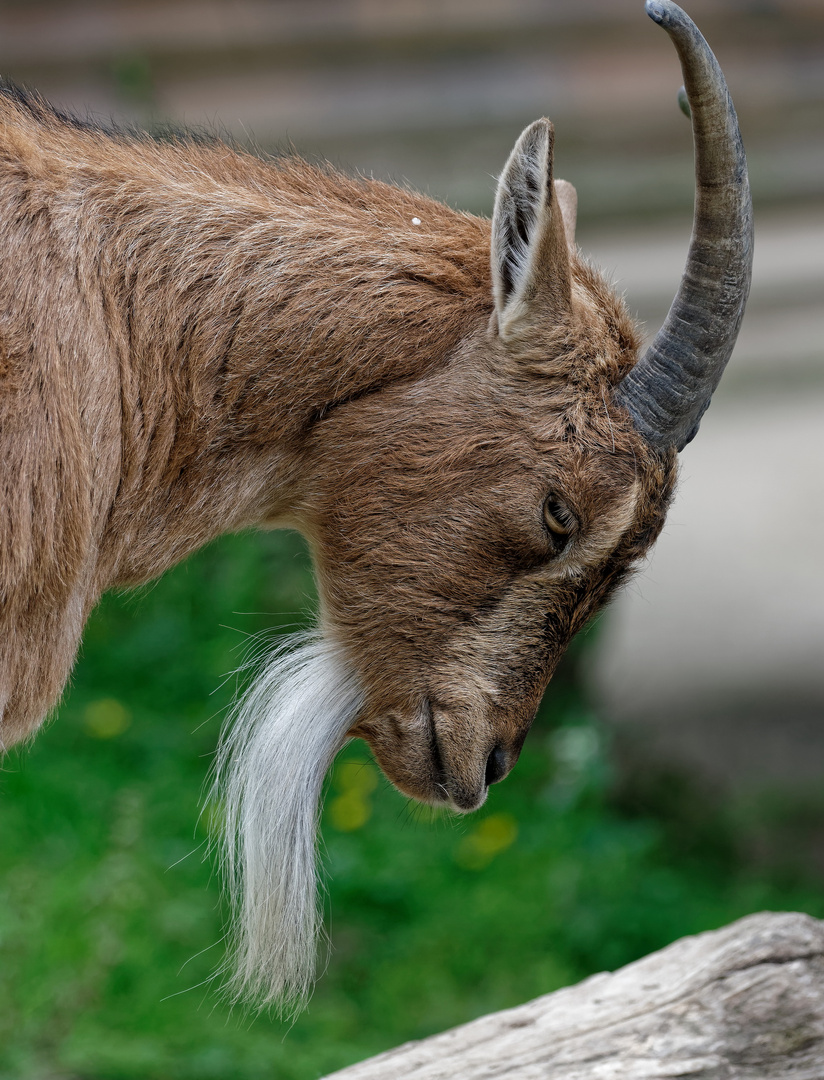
496, 766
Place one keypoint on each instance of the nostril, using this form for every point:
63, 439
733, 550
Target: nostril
495, 766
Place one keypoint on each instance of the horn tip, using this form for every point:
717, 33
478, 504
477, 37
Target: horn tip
665, 12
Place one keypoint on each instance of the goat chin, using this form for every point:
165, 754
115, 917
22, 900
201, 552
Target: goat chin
269, 774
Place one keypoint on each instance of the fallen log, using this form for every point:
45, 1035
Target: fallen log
742, 1003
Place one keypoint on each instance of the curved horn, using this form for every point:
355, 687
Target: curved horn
670, 387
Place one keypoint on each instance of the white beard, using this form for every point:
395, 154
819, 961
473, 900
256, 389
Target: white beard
269, 772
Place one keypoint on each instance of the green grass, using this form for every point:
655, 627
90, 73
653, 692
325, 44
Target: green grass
110, 916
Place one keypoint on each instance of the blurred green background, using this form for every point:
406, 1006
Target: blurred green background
592, 853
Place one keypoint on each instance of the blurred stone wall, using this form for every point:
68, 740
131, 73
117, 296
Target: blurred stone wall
434, 90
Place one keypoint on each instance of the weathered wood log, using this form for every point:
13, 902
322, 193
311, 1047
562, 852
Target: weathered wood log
742, 1003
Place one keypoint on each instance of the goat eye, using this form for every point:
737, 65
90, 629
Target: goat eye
559, 520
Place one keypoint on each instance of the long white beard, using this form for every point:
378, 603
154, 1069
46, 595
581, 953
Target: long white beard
269, 773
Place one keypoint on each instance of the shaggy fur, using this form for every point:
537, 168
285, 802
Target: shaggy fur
193, 340
269, 774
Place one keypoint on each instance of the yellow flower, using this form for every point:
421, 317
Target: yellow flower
489, 838
351, 808
106, 718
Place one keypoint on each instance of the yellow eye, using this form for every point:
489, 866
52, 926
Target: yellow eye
558, 519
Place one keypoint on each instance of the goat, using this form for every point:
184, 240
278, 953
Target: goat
453, 412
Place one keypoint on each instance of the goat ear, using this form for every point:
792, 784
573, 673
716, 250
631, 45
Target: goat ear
530, 256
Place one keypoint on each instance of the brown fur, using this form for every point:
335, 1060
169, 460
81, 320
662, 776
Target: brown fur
193, 340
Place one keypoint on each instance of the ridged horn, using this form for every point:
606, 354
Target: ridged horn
669, 389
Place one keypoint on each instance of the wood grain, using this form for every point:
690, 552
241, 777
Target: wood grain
742, 1003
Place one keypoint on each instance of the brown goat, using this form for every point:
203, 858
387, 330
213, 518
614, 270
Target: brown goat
452, 411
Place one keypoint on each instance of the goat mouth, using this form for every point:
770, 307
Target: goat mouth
439, 777
411, 756
408, 747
